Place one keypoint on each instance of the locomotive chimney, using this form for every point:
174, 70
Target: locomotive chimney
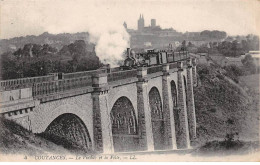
108, 68
128, 52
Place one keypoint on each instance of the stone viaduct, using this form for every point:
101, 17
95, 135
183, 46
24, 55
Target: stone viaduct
144, 109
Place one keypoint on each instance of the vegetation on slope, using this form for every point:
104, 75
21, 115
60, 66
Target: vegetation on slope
227, 113
15, 139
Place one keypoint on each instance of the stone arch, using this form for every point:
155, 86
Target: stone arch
156, 83
157, 118
69, 131
124, 126
46, 113
174, 93
118, 93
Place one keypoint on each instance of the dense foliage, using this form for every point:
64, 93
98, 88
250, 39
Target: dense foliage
213, 34
249, 64
38, 60
232, 48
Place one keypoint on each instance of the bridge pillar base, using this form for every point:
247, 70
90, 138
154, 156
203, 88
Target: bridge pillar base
170, 140
103, 138
144, 115
183, 139
191, 105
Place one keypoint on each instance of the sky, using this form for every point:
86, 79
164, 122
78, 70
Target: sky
33, 17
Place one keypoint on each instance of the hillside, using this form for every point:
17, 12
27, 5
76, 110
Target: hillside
14, 139
225, 110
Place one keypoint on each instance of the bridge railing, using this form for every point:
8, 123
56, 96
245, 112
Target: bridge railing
181, 55
173, 65
114, 76
45, 88
25, 82
82, 74
154, 69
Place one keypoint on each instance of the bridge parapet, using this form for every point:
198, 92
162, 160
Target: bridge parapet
25, 82
17, 101
173, 65
51, 87
66, 84
115, 76
154, 69
82, 74
181, 55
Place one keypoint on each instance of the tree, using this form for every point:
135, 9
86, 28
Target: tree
249, 64
8, 66
203, 49
190, 44
215, 34
233, 72
183, 45
245, 45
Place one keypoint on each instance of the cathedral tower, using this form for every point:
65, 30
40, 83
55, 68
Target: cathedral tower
141, 23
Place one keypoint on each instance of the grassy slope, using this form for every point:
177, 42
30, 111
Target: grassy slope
14, 139
224, 107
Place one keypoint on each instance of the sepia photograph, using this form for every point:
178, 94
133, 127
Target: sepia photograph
129, 81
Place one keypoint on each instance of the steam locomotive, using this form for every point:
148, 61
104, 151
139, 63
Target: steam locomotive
152, 57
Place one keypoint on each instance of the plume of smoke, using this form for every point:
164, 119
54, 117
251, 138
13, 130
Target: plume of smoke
111, 42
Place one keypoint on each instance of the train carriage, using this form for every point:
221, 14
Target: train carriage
152, 57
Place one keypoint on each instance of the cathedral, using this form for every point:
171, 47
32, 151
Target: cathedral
140, 23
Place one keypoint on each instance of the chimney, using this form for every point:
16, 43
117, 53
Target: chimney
108, 68
128, 52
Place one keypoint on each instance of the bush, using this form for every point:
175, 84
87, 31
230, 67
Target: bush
202, 71
233, 72
230, 141
249, 64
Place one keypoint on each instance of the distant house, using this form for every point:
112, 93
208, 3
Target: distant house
147, 44
257, 52
176, 44
256, 56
